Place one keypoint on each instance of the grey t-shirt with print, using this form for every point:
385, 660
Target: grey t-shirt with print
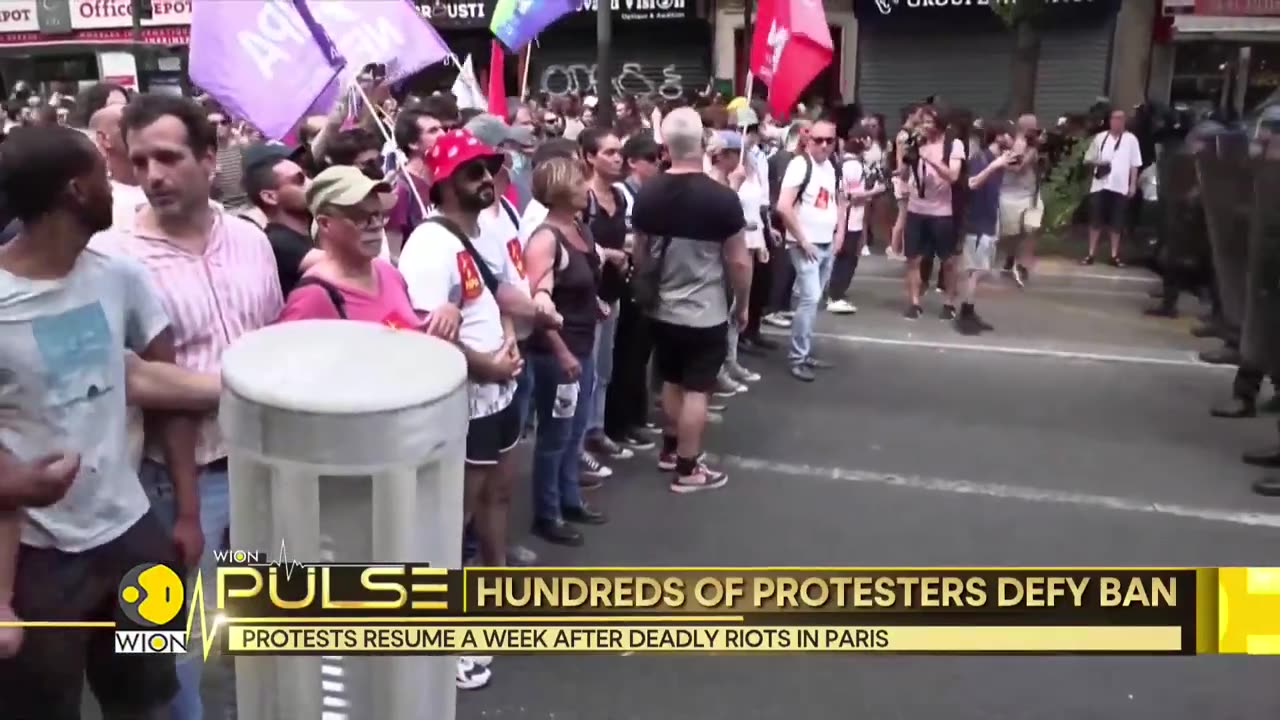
63, 367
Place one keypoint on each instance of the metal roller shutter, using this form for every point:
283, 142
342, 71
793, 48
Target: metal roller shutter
967, 69
638, 70
1073, 70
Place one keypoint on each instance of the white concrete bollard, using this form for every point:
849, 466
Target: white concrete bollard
347, 442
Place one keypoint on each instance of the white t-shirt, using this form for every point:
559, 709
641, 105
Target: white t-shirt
66, 338
503, 250
1124, 155
125, 202
816, 209
439, 270
854, 174
535, 213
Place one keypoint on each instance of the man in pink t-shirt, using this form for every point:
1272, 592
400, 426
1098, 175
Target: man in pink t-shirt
931, 169
351, 282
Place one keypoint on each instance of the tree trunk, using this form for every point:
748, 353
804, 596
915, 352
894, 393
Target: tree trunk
1026, 62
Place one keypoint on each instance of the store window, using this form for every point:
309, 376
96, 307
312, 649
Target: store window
1263, 79
1202, 72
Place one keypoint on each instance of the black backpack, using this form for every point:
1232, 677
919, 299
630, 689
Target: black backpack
808, 175
335, 296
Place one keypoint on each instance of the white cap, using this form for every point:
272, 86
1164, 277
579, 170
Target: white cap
590, 101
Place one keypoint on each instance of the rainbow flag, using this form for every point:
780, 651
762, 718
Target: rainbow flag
516, 22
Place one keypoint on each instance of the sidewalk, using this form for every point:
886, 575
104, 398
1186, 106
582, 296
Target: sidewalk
1058, 272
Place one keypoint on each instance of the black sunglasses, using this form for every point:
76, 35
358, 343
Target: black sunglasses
822, 140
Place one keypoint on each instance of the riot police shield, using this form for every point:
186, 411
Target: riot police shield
1261, 337
1181, 223
1225, 176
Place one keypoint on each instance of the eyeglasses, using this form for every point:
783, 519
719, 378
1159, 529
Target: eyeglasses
821, 140
364, 219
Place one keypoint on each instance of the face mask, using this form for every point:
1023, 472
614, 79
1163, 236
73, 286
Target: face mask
518, 162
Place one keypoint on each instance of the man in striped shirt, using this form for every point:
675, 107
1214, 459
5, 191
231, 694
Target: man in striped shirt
217, 280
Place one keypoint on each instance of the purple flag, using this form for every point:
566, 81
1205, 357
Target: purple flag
516, 22
266, 62
389, 32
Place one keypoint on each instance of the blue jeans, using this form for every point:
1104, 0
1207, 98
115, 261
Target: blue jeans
215, 518
559, 440
603, 356
811, 279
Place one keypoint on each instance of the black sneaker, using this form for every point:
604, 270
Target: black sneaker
969, 324
948, 313
583, 515
601, 444
914, 312
557, 532
637, 442
702, 478
1088, 260
803, 373
814, 363
1116, 262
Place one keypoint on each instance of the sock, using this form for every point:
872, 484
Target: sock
669, 443
686, 466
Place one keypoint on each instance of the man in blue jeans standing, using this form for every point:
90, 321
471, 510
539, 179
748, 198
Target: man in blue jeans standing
812, 204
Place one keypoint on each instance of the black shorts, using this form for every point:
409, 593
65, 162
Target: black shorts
1107, 209
492, 436
46, 678
690, 357
930, 236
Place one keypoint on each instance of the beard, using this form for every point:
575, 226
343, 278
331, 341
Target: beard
483, 197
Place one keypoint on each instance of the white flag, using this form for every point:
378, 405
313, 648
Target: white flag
467, 89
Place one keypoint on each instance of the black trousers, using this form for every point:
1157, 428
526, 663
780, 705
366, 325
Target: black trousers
782, 277
761, 284
844, 266
627, 400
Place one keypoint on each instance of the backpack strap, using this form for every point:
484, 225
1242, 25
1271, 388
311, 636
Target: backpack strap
804, 182
335, 295
490, 280
511, 212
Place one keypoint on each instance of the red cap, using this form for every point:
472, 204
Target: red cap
457, 147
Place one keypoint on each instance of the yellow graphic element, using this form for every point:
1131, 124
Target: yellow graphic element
1249, 611
156, 597
207, 632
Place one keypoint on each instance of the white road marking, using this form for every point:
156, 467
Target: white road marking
1176, 359
1007, 492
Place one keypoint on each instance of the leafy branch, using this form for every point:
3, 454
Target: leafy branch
1064, 188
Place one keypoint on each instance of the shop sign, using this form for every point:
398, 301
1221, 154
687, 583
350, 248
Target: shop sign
1238, 8
457, 14
95, 14
18, 16
952, 10
640, 10
54, 17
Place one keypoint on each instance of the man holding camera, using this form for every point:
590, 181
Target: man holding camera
1115, 159
1021, 211
932, 165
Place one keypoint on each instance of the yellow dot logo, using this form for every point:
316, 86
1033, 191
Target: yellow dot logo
240, 556
151, 595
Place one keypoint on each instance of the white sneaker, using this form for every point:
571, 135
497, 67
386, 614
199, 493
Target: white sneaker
777, 320
866, 251
471, 676
741, 374
481, 660
841, 307
788, 314
591, 467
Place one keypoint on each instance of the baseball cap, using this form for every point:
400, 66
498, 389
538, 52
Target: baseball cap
729, 140
492, 131
342, 185
745, 117
271, 151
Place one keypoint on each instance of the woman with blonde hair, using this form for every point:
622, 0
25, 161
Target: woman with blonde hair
563, 263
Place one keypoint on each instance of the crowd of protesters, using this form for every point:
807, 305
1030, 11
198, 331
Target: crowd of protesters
607, 284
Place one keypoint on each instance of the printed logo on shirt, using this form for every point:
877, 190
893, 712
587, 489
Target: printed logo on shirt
396, 321
823, 200
472, 285
517, 257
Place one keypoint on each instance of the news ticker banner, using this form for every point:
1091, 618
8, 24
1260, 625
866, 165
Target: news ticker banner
406, 609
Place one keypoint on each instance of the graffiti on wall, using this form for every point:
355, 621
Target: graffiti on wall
632, 78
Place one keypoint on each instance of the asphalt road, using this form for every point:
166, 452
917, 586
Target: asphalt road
1076, 434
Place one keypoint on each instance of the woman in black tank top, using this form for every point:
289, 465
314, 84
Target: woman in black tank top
562, 264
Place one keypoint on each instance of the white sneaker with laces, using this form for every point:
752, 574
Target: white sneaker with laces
471, 676
777, 320
591, 467
841, 307
741, 374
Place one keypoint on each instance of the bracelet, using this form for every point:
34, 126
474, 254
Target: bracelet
540, 291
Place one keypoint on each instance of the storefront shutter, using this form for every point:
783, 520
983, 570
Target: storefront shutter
1073, 70
641, 69
897, 67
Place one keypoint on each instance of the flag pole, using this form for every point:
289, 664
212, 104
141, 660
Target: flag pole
524, 74
386, 134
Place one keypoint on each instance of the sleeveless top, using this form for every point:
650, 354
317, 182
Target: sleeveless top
577, 279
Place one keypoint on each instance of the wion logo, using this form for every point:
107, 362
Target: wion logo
151, 597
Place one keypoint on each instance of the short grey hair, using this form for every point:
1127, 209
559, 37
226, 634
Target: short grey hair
682, 133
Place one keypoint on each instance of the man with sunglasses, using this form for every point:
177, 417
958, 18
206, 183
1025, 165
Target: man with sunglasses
441, 264
228, 163
812, 207
277, 186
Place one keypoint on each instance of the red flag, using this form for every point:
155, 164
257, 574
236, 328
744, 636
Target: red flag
497, 80
790, 46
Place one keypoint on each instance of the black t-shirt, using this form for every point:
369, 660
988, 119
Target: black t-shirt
290, 247
699, 215
609, 231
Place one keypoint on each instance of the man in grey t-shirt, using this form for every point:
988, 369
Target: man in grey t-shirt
692, 227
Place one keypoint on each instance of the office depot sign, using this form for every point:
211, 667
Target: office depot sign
19, 16
97, 14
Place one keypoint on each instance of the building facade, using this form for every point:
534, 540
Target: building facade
1217, 53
